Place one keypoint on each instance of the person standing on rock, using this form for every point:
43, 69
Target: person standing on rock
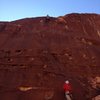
47, 19
67, 90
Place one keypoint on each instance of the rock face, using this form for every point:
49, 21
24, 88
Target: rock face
38, 54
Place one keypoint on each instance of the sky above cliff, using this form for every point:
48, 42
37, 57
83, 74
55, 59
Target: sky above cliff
17, 9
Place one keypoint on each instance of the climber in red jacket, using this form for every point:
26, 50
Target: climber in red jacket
68, 90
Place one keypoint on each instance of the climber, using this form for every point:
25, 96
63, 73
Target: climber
67, 90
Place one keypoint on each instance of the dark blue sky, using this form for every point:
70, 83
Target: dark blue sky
17, 9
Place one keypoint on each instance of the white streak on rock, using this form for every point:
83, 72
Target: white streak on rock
84, 29
98, 32
23, 88
66, 27
91, 23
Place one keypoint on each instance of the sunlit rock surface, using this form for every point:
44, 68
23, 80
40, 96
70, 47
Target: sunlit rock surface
38, 54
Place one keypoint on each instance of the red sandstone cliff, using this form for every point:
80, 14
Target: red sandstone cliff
37, 55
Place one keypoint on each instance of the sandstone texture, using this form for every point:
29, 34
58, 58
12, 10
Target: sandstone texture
38, 54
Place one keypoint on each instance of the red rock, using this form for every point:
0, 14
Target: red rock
39, 55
